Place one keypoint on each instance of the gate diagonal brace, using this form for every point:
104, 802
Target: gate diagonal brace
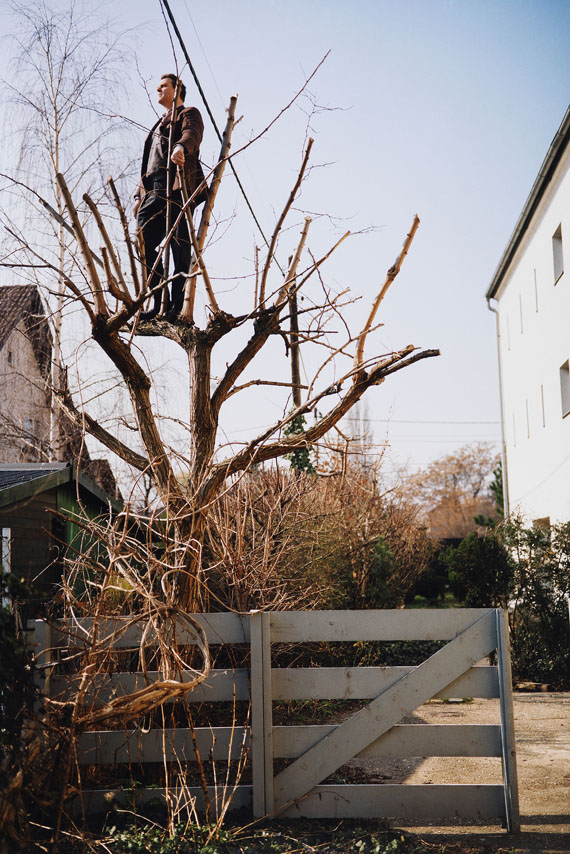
385, 711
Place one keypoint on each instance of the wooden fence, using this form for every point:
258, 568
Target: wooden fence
308, 755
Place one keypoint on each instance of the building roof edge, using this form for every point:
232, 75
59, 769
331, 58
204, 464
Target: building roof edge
545, 175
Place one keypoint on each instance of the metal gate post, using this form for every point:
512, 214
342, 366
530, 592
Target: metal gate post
508, 747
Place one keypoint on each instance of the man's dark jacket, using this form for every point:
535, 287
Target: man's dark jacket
188, 132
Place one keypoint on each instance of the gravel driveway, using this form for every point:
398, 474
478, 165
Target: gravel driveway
542, 727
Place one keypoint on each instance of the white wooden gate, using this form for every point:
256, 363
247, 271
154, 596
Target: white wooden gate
316, 752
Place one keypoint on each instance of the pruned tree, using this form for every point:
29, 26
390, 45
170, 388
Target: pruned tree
113, 299
153, 573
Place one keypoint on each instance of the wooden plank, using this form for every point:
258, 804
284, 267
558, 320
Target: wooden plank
101, 801
267, 712
218, 687
400, 742
257, 712
455, 801
510, 778
479, 681
386, 710
288, 683
377, 625
223, 628
30, 489
32, 545
261, 714
397, 801
365, 683
305, 626
110, 747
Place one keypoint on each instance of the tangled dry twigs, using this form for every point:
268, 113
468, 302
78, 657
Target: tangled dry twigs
116, 613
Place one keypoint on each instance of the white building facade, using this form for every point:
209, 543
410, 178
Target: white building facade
530, 293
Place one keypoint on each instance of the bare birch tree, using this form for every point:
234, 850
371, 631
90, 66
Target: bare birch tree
66, 60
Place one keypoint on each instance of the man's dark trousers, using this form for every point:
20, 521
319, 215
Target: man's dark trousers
151, 220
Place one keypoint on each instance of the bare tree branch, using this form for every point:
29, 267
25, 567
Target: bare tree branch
83, 420
390, 276
258, 452
197, 251
280, 221
263, 382
292, 271
125, 296
96, 289
188, 308
126, 235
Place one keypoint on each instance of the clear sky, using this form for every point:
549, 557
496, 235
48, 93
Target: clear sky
441, 107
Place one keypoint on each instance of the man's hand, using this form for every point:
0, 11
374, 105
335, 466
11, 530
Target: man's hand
177, 156
136, 207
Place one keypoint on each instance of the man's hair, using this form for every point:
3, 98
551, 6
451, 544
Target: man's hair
174, 80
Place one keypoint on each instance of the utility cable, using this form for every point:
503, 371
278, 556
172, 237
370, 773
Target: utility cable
212, 119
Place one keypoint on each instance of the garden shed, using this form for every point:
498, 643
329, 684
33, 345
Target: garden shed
37, 505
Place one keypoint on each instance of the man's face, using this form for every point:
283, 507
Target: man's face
166, 93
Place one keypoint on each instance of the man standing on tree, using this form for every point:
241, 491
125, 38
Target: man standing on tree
160, 181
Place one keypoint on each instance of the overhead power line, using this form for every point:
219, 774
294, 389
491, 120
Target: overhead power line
210, 114
415, 421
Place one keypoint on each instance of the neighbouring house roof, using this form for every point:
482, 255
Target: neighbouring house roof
20, 481
543, 179
23, 302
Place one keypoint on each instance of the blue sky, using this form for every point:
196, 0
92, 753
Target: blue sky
441, 107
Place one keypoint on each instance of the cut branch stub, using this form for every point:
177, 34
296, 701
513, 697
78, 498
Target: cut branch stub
390, 276
292, 271
280, 222
190, 291
197, 251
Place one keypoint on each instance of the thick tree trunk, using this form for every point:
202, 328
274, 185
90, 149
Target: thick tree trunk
203, 423
188, 591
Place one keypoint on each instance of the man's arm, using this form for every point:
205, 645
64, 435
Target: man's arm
137, 198
190, 137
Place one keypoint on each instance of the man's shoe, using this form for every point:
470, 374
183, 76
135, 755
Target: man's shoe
172, 315
146, 316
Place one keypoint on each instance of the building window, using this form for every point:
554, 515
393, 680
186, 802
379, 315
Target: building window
565, 388
557, 254
10, 358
